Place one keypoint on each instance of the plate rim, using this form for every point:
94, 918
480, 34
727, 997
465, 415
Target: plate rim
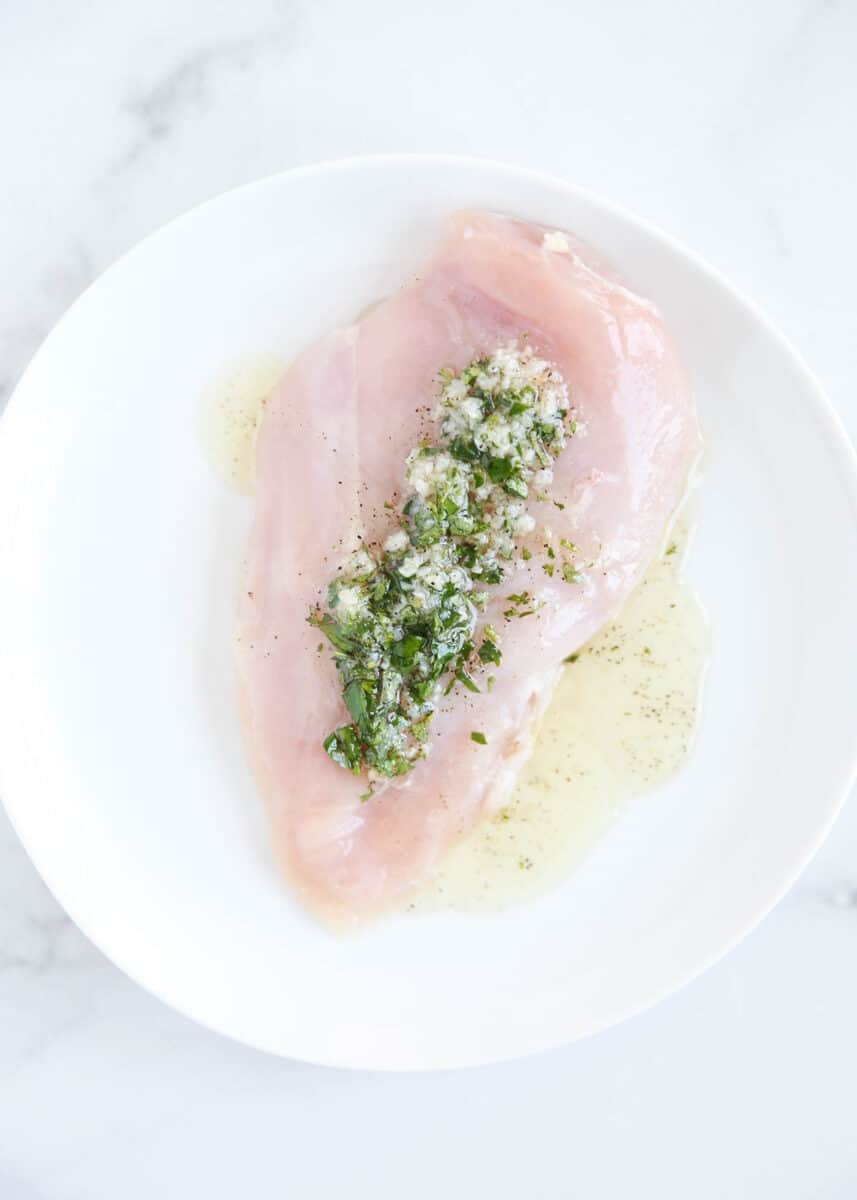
837, 439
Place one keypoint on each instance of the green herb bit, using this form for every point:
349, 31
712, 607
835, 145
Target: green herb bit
479, 738
420, 729
570, 574
489, 651
571, 658
548, 569
490, 681
672, 548
401, 620
551, 552
568, 545
467, 679
343, 747
333, 631
500, 469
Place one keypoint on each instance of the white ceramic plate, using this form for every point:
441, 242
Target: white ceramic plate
121, 761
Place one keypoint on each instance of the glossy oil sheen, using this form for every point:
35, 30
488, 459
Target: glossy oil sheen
231, 412
621, 721
143, 819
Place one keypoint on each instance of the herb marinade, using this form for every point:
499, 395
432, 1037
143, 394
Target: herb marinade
402, 621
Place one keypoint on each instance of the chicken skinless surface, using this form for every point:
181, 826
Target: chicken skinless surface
331, 454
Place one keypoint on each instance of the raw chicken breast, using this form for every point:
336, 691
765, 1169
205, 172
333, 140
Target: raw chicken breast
332, 450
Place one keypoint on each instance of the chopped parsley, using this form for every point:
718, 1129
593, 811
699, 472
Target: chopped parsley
489, 651
479, 738
401, 621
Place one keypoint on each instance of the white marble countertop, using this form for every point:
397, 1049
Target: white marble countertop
731, 125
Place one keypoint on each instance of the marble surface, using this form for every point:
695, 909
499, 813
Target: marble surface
730, 124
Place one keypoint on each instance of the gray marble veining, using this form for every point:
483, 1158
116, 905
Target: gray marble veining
732, 125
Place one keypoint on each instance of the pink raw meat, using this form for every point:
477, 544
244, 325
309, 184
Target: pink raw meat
332, 450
